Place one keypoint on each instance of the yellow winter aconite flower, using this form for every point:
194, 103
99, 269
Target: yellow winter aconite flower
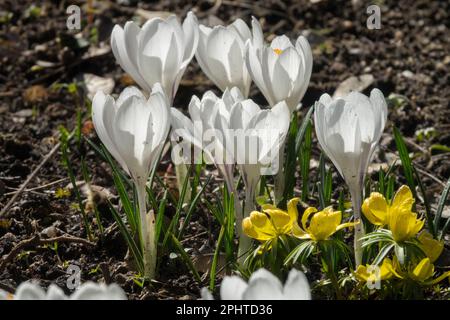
430, 246
272, 222
422, 272
322, 224
404, 225
398, 215
377, 210
370, 273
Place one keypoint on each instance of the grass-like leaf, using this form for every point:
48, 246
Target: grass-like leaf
406, 160
440, 209
185, 257
428, 213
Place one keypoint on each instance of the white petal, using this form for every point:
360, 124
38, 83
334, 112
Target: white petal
93, 291
206, 294
29, 291
254, 67
103, 113
232, 288
242, 29
296, 286
263, 285
281, 42
55, 293
191, 36
125, 49
281, 83
302, 46
202, 54
258, 37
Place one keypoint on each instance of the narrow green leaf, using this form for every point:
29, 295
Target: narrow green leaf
185, 257
406, 160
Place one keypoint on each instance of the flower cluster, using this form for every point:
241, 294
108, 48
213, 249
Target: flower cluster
237, 135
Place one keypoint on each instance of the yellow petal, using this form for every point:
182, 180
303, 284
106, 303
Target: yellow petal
268, 206
299, 232
430, 246
306, 215
385, 270
404, 225
375, 209
259, 219
324, 223
346, 225
292, 209
416, 226
258, 226
280, 220
403, 199
423, 271
248, 229
361, 273
391, 267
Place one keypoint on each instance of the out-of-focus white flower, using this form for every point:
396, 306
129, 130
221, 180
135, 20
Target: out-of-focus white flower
281, 70
94, 291
221, 55
87, 291
158, 52
263, 285
348, 130
134, 130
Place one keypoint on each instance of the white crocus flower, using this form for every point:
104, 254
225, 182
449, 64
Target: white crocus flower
281, 70
348, 130
87, 291
259, 135
134, 129
221, 55
263, 285
208, 116
158, 52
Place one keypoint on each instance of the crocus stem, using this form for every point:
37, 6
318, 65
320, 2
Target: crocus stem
182, 172
227, 172
359, 230
280, 177
245, 242
147, 232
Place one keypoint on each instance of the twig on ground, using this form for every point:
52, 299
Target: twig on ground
36, 241
38, 187
30, 177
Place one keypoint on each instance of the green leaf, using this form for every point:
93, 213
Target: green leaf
427, 205
305, 158
300, 253
185, 257
440, 208
406, 160
212, 273
192, 206
129, 239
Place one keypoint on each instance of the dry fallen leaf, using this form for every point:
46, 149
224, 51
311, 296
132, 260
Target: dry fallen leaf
88, 127
35, 94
